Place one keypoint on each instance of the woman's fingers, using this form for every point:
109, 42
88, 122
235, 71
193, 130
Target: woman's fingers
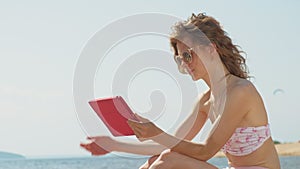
94, 148
97, 138
134, 124
82, 145
97, 149
144, 131
92, 137
137, 129
141, 119
86, 146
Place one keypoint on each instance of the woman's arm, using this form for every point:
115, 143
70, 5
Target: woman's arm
151, 148
236, 107
101, 145
194, 123
187, 130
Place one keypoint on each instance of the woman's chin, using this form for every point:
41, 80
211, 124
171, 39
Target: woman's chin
195, 78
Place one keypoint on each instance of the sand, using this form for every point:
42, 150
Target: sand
286, 149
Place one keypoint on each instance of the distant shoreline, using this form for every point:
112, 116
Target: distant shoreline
9, 155
284, 149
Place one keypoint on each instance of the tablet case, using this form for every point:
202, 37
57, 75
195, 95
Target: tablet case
114, 112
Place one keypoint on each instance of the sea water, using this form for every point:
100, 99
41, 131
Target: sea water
110, 162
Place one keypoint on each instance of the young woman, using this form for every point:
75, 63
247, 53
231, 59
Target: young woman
203, 49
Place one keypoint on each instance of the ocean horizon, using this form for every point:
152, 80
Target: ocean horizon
110, 161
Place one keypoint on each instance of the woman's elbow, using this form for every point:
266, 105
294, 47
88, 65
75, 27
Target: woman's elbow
203, 154
204, 157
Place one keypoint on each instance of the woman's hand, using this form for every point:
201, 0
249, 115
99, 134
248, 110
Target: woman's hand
144, 130
99, 145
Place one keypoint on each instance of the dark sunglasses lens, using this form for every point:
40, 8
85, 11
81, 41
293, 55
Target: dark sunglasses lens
187, 57
179, 62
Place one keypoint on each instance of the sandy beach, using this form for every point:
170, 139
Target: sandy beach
286, 149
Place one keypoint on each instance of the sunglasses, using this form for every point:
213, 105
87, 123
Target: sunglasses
186, 58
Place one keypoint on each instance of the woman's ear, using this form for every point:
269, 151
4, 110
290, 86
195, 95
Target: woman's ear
212, 48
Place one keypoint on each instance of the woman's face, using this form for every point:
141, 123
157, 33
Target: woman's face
195, 66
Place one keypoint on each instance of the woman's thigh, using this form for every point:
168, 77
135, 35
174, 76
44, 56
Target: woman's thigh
173, 160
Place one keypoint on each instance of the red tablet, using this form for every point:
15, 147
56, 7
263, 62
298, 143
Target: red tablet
114, 112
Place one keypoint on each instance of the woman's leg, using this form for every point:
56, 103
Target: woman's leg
172, 160
149, 162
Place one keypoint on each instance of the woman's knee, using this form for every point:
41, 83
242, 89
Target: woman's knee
164, 161
167, 155
161, 165
144, 166
147, 164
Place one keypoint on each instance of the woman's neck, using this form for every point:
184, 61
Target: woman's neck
217, 80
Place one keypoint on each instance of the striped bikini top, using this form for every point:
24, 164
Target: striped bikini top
245, 140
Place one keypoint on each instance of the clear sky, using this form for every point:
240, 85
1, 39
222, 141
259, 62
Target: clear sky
41, 42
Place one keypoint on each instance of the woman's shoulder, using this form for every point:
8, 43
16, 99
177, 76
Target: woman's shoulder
252, 103
242, 85
243, 88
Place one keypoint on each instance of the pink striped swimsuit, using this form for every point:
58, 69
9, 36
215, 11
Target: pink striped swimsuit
245, 140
